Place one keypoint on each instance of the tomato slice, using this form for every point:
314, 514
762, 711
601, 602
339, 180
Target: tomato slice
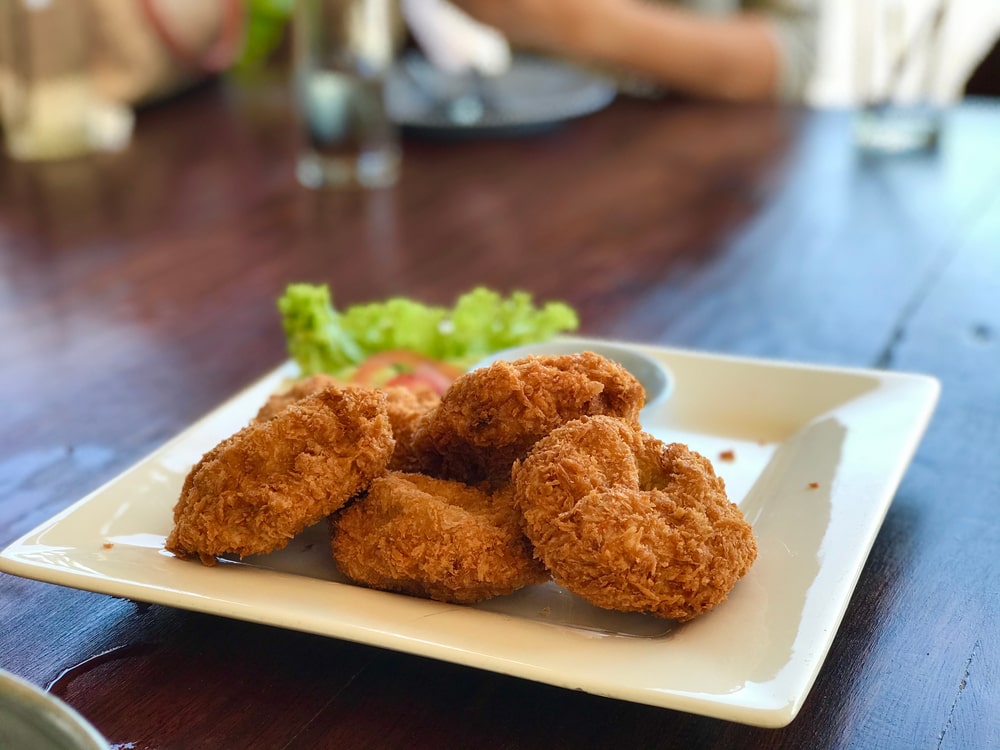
408, 369
424, 378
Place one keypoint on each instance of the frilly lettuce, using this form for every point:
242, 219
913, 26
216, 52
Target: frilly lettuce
321, 339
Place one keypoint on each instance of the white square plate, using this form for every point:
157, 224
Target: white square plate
813, 456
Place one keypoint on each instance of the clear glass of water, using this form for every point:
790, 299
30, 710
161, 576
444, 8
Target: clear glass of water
343, 51
897, 65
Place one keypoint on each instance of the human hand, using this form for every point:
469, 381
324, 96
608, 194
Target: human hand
734, 57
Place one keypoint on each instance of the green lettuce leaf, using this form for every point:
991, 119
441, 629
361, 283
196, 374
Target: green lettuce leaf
314, 335
321, 339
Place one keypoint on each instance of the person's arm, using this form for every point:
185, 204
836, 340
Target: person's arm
732, 58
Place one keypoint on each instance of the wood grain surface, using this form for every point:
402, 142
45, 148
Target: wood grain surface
137, 292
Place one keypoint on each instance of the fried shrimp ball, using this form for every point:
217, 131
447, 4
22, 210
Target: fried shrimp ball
405, 408
434, 538
259, 488
491, 416
630, 523
298, 390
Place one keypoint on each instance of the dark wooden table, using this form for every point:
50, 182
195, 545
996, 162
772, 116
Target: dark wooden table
137, 292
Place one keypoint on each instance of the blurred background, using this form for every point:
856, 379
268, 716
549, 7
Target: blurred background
968, 36
345, 77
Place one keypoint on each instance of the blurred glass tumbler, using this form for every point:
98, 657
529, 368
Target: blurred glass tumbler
49, 104
897, 63
343, 52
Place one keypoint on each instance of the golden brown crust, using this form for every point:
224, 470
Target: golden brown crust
491, 417
405, 408
296, 391
566, 482
257, 489
631, 523
403, 405
434, 538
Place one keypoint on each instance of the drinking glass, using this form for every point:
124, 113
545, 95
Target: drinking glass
897, 63
45, 78
343, 50
50, 105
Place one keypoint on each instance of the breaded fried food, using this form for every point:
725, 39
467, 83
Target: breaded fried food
298, 390
257, 489
434, 538
490, 417
405, 408
403, 405
631, 523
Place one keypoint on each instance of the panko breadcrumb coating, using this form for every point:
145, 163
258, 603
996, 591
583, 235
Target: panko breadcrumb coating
490, 417
297, 390
630, 523
403, 405
257, 489
434, 538
405, 408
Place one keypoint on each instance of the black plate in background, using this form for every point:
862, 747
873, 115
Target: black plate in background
535, 94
